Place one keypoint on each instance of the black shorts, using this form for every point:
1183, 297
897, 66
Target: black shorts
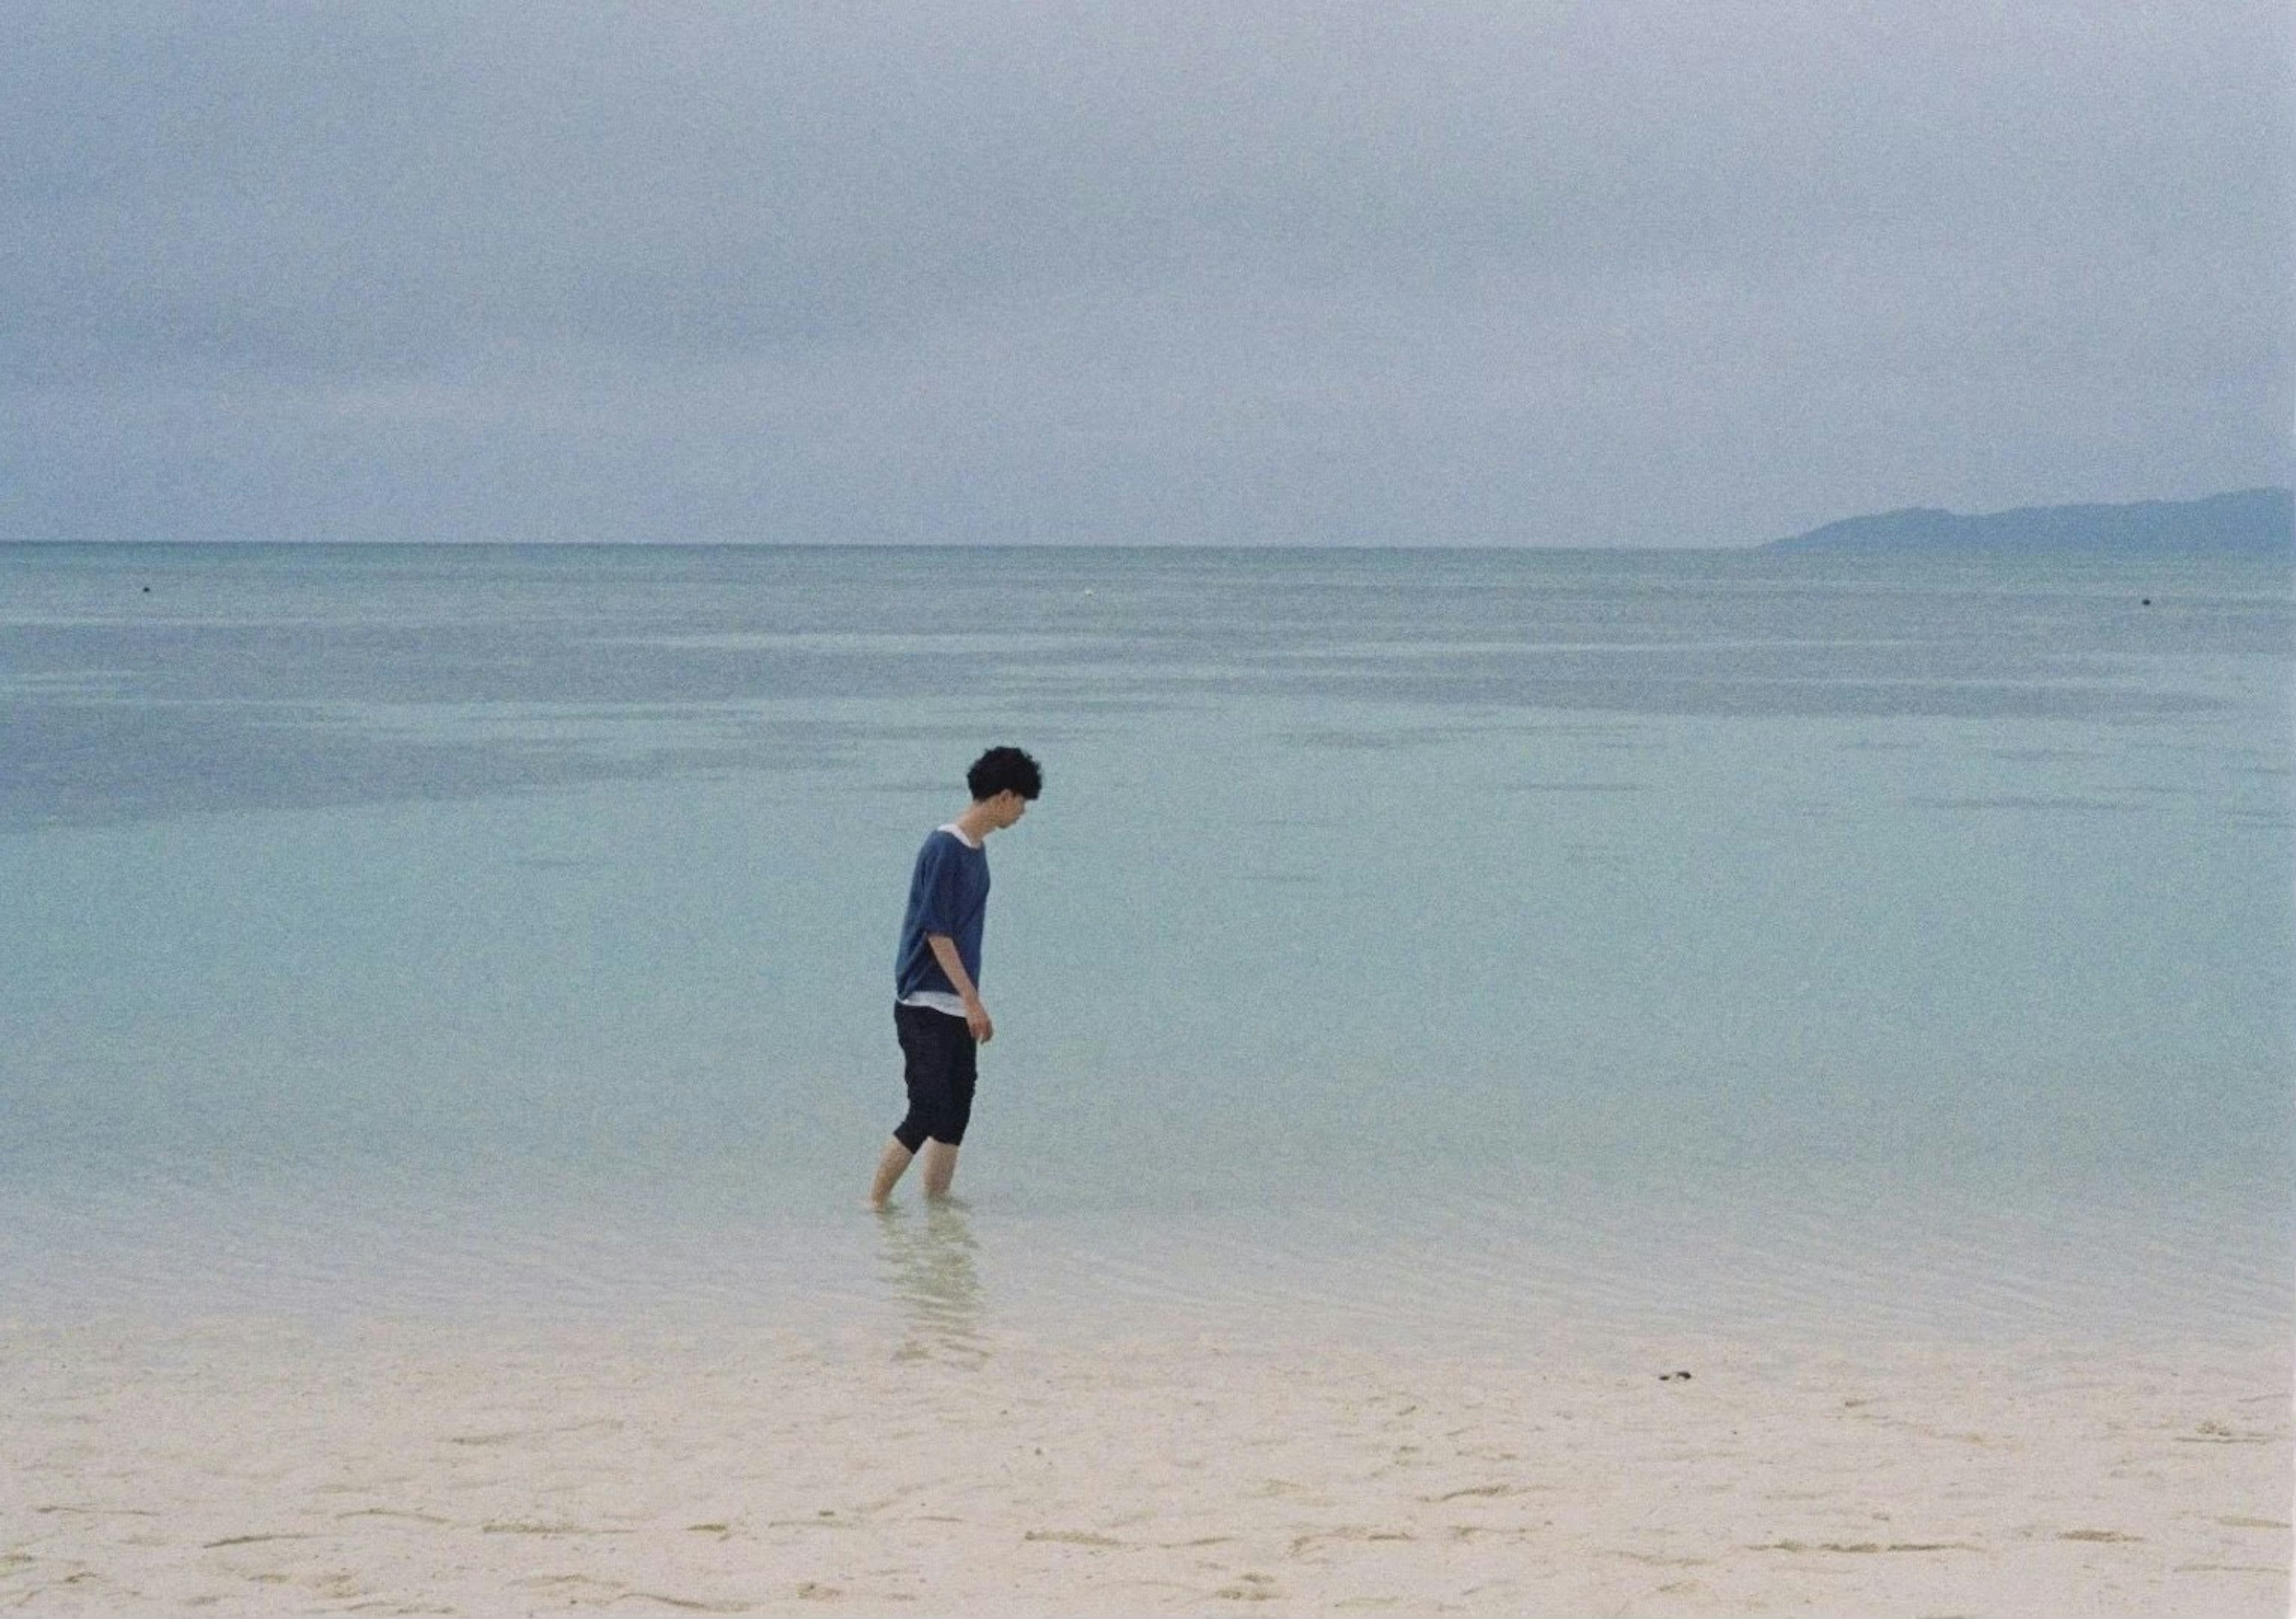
938, 1055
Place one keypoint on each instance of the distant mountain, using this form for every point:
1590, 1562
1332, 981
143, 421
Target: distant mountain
2253, 522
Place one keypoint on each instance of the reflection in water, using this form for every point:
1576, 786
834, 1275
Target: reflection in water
927, 1260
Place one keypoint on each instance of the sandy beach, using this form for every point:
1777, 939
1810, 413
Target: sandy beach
253, 1466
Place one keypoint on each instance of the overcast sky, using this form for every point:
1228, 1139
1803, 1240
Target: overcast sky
1465, 272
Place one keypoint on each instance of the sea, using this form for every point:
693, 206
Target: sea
1409, 947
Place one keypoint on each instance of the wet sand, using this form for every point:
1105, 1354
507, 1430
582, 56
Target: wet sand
254, 1467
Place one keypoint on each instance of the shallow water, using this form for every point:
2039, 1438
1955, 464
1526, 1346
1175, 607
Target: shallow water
1407, 943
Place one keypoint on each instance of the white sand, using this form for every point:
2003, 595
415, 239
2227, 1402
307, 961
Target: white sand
245, 1467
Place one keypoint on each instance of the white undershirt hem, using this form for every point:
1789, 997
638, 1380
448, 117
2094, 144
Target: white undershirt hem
936, 999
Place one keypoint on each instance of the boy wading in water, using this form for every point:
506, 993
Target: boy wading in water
937, 1009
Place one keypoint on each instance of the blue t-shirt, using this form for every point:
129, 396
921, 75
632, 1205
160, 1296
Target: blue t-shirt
948, 893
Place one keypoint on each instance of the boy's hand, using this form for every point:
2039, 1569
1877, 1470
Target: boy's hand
976, 1018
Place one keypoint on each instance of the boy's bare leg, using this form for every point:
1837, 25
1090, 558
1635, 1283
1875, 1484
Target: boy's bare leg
941, 1167
888, 1173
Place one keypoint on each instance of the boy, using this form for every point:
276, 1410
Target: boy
937, 1009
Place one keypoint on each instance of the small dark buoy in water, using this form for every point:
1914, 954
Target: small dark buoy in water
2148, 601
147, 590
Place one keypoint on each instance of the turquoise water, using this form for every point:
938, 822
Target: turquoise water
1406, 942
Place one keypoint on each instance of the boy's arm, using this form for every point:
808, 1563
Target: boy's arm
976, 1016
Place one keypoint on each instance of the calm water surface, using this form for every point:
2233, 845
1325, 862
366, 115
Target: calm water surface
1407, 943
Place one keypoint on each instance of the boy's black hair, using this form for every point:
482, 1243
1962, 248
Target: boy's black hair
1003, 768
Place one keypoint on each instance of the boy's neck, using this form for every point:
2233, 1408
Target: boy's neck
975, 823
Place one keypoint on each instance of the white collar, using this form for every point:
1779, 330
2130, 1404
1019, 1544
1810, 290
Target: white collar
957, 833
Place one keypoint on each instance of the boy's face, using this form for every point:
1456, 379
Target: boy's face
1007, 808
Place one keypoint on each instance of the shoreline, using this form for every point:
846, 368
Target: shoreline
251, 1465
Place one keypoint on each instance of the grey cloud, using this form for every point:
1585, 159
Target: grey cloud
1626, 273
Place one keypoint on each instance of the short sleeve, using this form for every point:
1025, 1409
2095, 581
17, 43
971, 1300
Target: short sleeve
936, 885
